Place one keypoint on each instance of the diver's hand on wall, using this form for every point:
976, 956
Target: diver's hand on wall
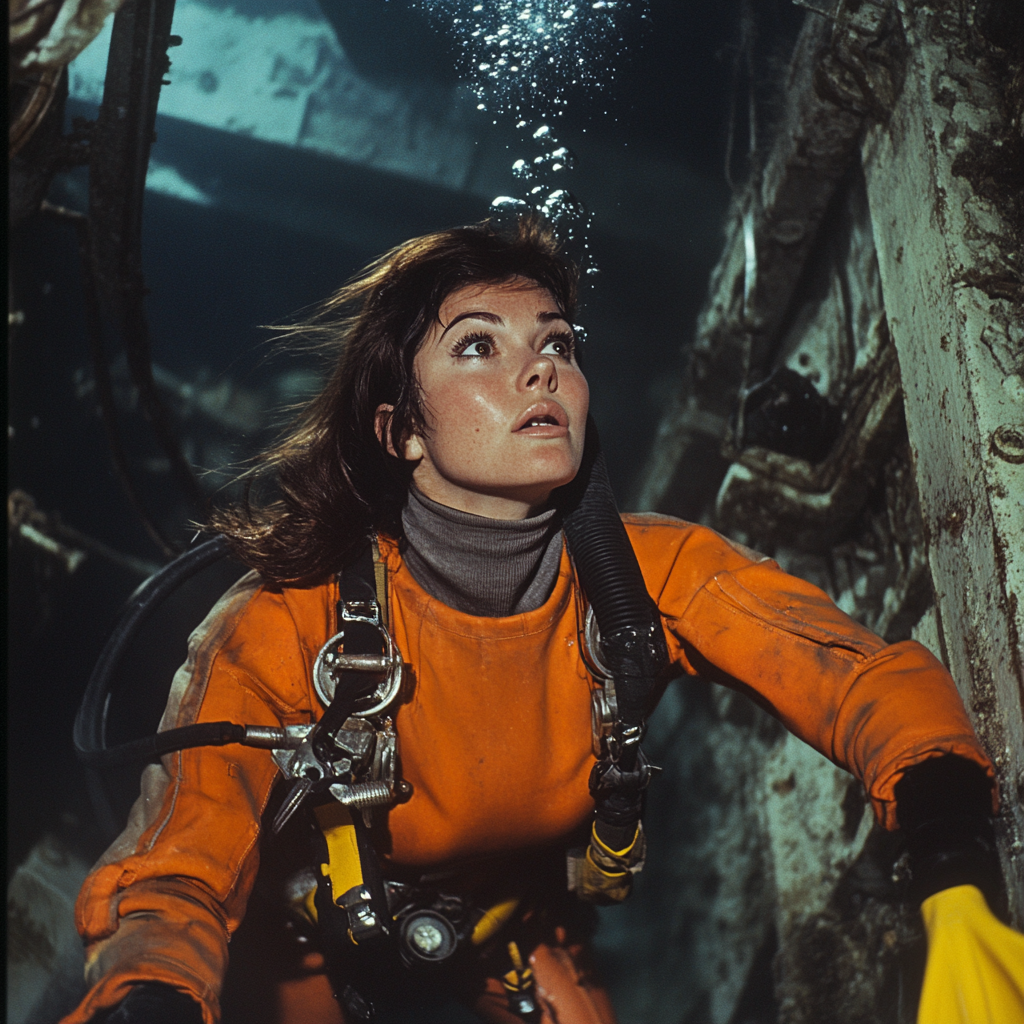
154, 1003
944, 806
975, 970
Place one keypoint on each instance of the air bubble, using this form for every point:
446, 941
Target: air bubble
500, 203
506, 211
562, 208
519, 58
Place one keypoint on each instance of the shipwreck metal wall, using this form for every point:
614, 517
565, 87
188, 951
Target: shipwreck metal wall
870, 290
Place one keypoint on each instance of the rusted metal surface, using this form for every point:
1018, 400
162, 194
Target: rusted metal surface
739, 325
46, 35
905, 316
38, 148
33, 108
116, 147
843, 930
102, 385
838, 341
943, 246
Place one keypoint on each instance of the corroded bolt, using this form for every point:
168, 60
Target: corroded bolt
1008, 443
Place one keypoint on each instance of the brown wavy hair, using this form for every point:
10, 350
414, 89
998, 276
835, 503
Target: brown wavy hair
333, 477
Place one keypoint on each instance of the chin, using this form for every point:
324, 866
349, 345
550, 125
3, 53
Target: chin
549, 481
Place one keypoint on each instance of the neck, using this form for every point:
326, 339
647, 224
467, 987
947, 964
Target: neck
516, 505
480, 564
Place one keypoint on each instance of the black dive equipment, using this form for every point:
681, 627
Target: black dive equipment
945, 811
627, 654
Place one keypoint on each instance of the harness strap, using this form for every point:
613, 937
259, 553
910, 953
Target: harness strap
350, 900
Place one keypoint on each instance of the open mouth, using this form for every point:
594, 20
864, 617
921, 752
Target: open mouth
543, 416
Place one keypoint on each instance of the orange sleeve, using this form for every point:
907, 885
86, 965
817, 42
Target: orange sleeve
735, 617
163, 901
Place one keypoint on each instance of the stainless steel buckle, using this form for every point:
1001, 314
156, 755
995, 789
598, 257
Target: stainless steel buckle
361, 611
332, 660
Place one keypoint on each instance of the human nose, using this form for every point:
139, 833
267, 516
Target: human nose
539, 373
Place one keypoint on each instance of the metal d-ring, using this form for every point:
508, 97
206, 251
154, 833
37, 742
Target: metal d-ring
604, 706
592, 647
330, 661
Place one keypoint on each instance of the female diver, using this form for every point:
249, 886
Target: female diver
455, 418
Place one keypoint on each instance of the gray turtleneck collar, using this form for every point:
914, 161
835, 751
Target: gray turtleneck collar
482, 566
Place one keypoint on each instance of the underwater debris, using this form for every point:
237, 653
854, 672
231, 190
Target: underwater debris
786, 414
64, 545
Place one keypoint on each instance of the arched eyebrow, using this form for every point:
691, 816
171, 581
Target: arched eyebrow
477, 314
493, 318
546, 318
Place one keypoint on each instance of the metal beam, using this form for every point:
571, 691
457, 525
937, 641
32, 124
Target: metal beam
954, 300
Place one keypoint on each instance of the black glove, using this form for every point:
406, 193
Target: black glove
944, 807
152, 1002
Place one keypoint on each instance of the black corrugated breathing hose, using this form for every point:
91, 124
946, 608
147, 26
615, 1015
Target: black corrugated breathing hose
632, 641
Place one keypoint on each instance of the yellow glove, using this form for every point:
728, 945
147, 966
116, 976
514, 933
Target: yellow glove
975, 970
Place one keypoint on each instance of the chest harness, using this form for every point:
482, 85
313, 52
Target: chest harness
345, 765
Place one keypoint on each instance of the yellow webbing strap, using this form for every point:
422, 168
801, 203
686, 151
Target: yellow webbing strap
380, 579
343, 867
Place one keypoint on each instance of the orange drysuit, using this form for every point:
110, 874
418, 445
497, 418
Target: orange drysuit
495, 737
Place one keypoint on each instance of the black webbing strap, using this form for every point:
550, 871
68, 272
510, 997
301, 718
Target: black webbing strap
357, 595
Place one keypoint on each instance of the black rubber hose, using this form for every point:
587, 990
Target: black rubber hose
90, 722
632, 642
152, 748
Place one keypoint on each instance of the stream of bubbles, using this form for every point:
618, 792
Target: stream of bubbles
520, 58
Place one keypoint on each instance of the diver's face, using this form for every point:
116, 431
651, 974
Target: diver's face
504, 400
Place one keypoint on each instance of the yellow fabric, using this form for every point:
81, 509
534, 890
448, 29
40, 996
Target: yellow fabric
493, 919
343, 869
975, 971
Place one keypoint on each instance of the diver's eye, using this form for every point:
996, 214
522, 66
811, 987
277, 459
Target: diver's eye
560, 344
476, 345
